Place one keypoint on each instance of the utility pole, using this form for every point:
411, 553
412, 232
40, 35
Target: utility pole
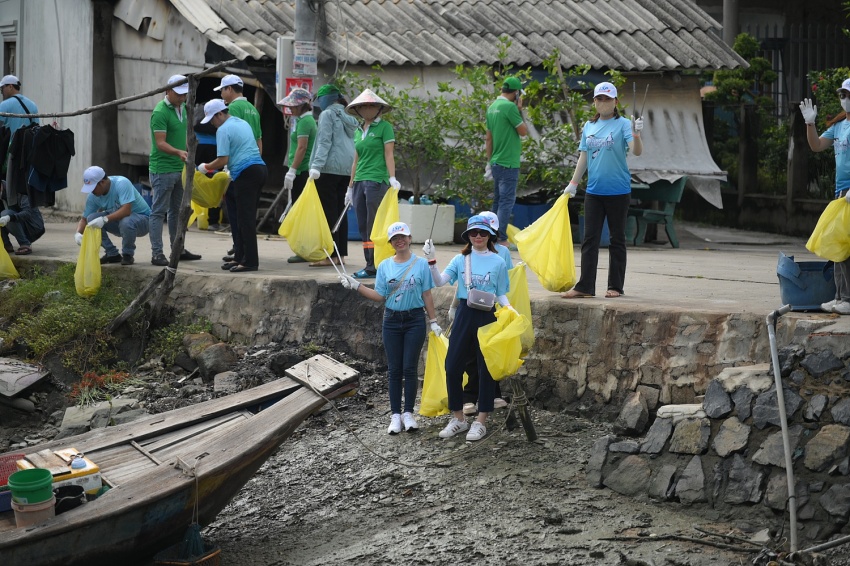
730, 21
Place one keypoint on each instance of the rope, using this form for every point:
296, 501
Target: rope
120, 101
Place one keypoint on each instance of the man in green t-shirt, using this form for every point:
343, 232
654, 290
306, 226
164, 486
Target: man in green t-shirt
167, 158
503, 148
237, 105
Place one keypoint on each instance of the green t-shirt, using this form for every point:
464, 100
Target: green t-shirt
371, 165
241, 108
503, 117
165, 119
305, 127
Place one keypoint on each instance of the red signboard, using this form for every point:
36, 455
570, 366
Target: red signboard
296, 82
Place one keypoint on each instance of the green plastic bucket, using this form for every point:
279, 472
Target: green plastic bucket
31, 486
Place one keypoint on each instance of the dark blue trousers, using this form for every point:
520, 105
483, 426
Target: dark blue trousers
463, 343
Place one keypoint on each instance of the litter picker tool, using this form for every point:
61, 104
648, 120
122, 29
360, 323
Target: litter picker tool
341, 216
330, 259
286, 210
340, 258
642, 106
433, 222
634, 98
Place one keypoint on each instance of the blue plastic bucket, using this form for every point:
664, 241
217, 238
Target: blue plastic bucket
805, 285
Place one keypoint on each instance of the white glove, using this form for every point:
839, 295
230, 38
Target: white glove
452, 311
513, 310
637, 124
349, 282
428, 249
289, 179
203, 168
488, 172
435, 328
349, 196
78, 238
98, 222
394, 183
4, 220
315, 174
571, 189
808, 111
847, 196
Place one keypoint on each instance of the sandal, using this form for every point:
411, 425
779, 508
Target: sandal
243, 268
324, 263
23, 250
363, 274
613, 294
573, 294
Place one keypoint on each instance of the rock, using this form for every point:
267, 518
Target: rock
820, 363
743, 399
226, 382
657, 436
679, 412
78, 420
691, 485
841, 411
185, 361
626, 446
106, 412
756, 377
218, 358
631, 477
790, 357
690, 436
772, 451
717, 403
651, 395
766, 410
827, 447
798, 376
128, 416
836, 502
745, 485
815, 407
661, 482
732, 437
598, 454
633, 416
197, 343
776, 494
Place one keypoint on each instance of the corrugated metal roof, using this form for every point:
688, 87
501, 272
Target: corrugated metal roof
627, 35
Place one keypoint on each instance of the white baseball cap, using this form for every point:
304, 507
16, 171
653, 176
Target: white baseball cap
212, 108
10, 80
397, 228
229, 80
182, 89
491, 218
844, 86
605, 89
91, 177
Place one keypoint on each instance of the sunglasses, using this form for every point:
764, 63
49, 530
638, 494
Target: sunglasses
843, 94
478, 233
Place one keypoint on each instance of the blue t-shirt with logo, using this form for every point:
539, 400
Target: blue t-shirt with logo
505, 254
840, 134
409, 294
235, 139
489, 273
121, 192
606, 143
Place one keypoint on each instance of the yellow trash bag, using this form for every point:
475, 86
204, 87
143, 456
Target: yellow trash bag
306, 228
547, 247
831, 237
201, 214
518, 296
512, 231
7, 268
435, 396
208, 191
387, 214
87, 275
501, 343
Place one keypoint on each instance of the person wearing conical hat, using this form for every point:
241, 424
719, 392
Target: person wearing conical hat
373, 170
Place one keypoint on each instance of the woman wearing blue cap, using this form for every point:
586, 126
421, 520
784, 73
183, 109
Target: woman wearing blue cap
482, 278
404, 285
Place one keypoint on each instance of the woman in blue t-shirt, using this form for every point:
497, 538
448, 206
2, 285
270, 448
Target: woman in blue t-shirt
403, 282
605, 142
488, 273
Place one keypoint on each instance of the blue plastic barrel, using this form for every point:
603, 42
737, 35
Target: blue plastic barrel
805, 285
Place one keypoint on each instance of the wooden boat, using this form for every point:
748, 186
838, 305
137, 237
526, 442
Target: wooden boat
161, 466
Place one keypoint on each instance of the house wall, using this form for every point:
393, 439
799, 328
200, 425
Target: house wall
10, 31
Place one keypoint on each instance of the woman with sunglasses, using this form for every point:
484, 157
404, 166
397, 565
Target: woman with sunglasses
488, 273
605, 141
837, 135
403, 283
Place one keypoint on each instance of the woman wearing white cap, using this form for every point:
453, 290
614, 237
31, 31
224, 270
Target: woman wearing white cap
837, 135
605, 141
373, 169
478, 270
403, 284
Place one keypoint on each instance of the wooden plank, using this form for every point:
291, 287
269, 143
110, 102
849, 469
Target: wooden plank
48, 460
322, 373
150, 456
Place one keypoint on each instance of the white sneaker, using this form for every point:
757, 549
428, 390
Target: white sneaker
499, 403
410, 424
469, 409
827, 307
842, 307
477, 431
454, 427
395, 424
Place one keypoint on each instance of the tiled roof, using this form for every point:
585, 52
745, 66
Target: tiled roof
627, 35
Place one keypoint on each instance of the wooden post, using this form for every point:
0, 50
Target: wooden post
748, 160
798, 160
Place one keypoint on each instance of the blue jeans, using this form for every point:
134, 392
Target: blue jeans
167, 196
404, 335
505, 180
129, 228
367, 198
